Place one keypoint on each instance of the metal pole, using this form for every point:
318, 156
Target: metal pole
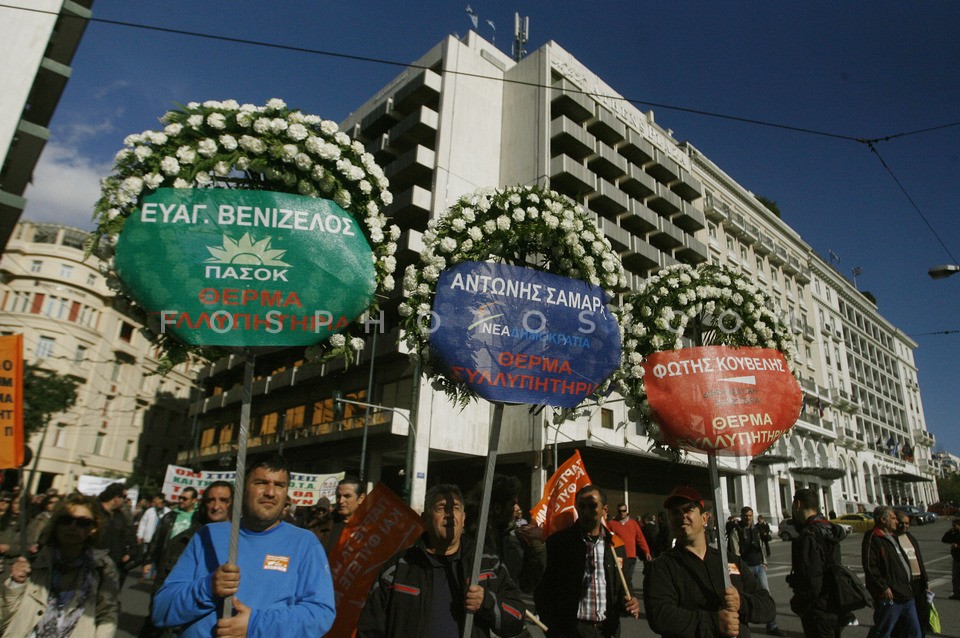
411, 437
484, 506
366, 414
245, 398
717, 499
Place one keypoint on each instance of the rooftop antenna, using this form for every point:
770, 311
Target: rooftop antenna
856, 272
521, 32
834, 258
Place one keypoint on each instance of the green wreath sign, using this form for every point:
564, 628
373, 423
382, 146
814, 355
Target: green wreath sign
520, 225
710, 304
226, 145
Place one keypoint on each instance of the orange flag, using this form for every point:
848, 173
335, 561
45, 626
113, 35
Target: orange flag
557, 509
382, 526
11, 401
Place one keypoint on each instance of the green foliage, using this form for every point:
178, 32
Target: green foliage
869, 295
949, 487
45, 393
770, 204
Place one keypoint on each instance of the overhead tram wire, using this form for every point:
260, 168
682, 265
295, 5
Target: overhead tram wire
869, 142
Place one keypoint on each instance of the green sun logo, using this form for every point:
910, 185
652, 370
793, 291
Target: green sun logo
246, 252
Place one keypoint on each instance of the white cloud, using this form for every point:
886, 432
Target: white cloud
65, 187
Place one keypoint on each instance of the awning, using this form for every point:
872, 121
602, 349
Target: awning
770, 459
825, 473
906, 477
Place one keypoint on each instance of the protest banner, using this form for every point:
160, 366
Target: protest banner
11, 401
382, 526
304, 489
557, 509
90, 485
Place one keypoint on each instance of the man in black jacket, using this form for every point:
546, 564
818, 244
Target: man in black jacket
422, 592
919, 581
813, 553
683, 589
887, 572
952, 536
581, 594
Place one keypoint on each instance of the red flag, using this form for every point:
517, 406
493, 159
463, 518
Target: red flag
11, 401
381, 527
557, 509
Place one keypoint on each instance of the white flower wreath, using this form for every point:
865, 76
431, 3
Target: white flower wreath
525, 226
229, 145
711, 305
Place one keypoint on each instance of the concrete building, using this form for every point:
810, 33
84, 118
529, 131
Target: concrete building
465, 116
125, 418
37, 41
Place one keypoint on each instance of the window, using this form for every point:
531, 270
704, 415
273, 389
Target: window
712, 229
268, 423
98, 443
36, 265
91, 280
126, 332
115, 373
66, 271
206, 438
760, 264
80, 354
730, 244
606, 418
294, 417
45, 347
127, 449
58, 438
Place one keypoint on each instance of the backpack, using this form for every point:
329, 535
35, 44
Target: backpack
847, 592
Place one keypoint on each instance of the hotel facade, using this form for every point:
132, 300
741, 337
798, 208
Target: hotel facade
466, 116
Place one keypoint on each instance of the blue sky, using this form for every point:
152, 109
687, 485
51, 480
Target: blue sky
861, 70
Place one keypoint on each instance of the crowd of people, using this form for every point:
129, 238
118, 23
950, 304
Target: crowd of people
64, 570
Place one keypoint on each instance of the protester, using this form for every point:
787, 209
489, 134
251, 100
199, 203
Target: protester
320, 521
10, 548
635, 544
521, 549
745, 540
424, 591
650, 533
919, 581
280, 583
350, 493
952, 536
814, 551
71, 589
581, 593
764, 527
146, 530
173, 532
117, 537
887, 574
48, 503
683, 591
215, 507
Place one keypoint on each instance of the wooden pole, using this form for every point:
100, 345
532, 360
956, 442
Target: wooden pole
484, 506
717, 500
246, 395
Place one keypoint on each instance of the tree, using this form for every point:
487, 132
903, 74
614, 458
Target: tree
45, 393
949, 487
770, 204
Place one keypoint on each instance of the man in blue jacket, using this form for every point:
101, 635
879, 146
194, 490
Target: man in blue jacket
281, 581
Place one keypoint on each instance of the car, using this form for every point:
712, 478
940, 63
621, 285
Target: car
944, 509
788, 530
917, 515
857, 522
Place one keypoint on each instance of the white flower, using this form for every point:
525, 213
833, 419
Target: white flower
297, 132
303, 161
342, 197
276, 104
207, 147
217, 121
386, 197
307, 188
132, 184
222, 168
356, 344
195, 120
156, 137
503, 222
142, 152
278, 125
203, 178
337, 340
448, 244
244, 118
152, 180
252, 144
329, 128
186, 155
262, 125
288, 152
181, 183
169, 166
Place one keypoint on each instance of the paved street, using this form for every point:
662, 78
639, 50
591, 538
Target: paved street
135, 596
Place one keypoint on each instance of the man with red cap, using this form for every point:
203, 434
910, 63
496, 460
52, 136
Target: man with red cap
683, 589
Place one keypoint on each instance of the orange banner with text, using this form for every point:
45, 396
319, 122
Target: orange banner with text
557, 509
382, 526
11, 401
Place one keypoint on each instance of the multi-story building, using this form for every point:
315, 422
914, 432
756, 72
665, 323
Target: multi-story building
466, 116
125, 417
37, 41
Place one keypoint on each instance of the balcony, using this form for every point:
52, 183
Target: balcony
688, 187
420, 127
765, 246
607, 128
667, 237
693, 251
779, 256
803, 275
68, 31
381, 118
690, 219
636, 149
638, 183
568, 101
22, 156
415, 167
716, 210
45, 93
791, 265
411, 208
642, 259
619, 238
607, 163
422, 90
736, 225
608, 200
569, 138
808, 332
924, 438
752, 235
664, 169
665, 202
570, 177
639, 219
797, 326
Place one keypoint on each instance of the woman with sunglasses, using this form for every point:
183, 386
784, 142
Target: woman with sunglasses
71, 589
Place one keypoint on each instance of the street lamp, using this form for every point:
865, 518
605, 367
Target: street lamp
939, 272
